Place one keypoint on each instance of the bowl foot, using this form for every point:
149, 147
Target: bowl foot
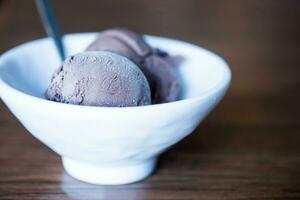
103, 175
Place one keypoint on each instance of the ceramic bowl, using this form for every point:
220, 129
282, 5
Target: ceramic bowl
105, 145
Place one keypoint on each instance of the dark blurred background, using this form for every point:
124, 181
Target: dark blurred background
248, 147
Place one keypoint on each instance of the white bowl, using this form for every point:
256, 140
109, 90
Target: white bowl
104, 145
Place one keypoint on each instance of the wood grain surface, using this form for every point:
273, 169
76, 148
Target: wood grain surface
248, 148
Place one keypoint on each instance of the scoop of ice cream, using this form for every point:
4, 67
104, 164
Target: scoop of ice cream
163, 79
99, 78
122, 42
158, 67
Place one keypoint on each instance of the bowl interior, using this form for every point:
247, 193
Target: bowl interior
29, 67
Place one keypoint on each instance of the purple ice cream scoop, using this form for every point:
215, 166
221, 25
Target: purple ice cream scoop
158, 67
123, 42
99, 78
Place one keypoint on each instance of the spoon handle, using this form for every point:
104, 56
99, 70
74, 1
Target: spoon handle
48, 17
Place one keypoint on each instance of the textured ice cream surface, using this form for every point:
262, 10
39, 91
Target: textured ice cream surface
99, 78
158, 66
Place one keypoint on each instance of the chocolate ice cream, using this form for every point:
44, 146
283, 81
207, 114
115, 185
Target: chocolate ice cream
158, 67
99, 78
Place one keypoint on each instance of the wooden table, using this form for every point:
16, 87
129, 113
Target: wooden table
248, 148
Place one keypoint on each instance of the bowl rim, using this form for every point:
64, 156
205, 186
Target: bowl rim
220, 85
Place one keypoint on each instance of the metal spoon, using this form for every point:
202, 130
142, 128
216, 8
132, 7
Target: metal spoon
48, 17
